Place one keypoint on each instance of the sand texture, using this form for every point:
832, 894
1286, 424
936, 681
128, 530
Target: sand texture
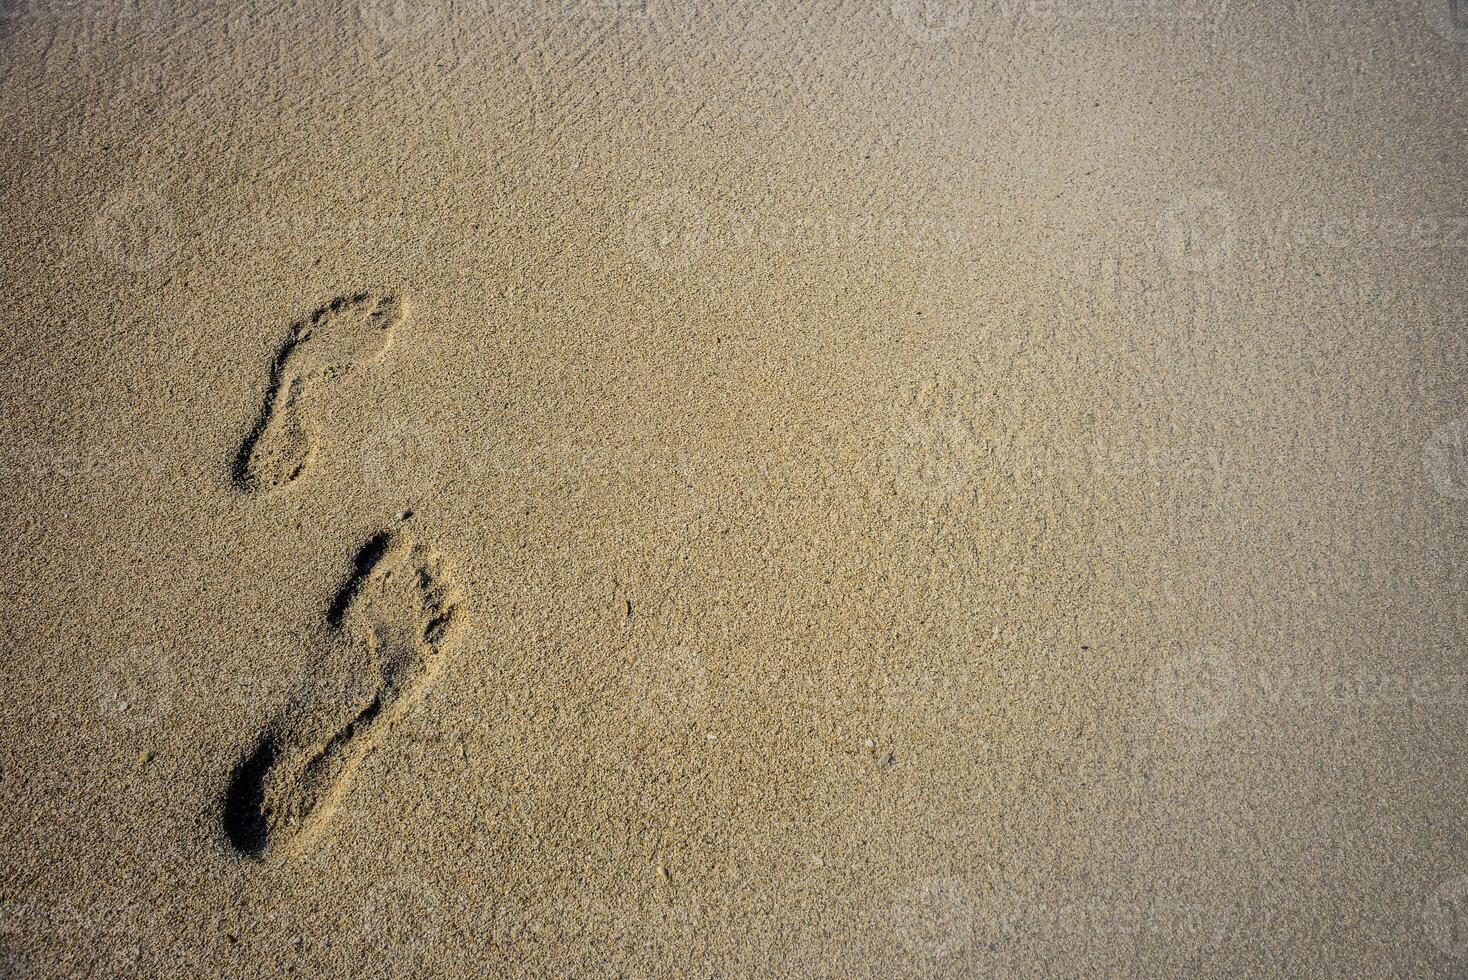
653, 488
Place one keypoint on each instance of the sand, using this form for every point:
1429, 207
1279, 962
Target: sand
923, 490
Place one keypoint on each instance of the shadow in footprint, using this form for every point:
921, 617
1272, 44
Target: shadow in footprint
401, 612
367, 556
244, 800
338, 337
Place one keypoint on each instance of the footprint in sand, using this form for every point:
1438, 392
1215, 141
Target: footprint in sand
401, 614
346, 333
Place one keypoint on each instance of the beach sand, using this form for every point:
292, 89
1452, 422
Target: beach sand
832, 489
